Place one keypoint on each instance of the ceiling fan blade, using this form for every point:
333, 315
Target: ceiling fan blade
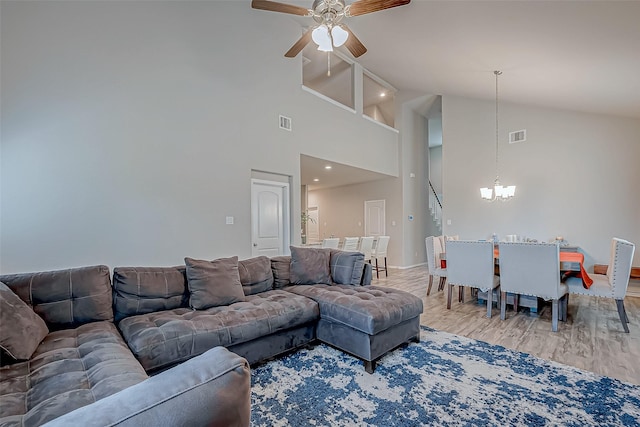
279, 7
354, 45
299, 45
362, 7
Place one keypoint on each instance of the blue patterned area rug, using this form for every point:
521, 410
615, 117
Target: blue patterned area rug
443, 380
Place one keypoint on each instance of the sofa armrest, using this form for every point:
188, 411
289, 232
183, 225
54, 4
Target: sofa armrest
212, 389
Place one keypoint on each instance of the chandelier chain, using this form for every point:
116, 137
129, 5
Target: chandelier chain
498, 192
497, 73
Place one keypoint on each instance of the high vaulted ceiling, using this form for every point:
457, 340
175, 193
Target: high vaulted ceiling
576, 55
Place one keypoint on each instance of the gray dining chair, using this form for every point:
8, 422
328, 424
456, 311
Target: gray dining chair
471, 263
434, 250
614, 283
533, 269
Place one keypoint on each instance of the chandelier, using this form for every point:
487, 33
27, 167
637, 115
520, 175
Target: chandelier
498, 192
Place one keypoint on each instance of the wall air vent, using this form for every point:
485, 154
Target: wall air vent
517, 136
285, 123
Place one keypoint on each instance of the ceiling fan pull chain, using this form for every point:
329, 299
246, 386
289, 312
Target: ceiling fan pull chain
328, 64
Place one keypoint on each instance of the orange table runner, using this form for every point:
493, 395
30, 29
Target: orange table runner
579, 258
564, 257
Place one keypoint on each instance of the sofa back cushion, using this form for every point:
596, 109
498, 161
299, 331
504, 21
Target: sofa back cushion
255, 275
346, 267
280, 267
66, 298
21, 330
141, 290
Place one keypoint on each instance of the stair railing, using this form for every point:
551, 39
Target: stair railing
435, 206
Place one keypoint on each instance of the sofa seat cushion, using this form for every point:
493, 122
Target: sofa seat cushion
165, 338
69, 369
370, 309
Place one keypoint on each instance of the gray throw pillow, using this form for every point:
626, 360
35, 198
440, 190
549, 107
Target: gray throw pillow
310, 266
255, 275
346, 267
21, 329
213, 283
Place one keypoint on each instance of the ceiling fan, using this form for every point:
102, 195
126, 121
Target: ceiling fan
329, 32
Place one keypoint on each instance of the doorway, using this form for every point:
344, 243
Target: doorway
374, 218
313, 225
270, 224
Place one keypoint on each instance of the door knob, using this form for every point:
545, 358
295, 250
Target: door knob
255, 245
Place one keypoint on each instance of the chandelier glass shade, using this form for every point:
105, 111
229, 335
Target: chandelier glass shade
328, 39
498, 192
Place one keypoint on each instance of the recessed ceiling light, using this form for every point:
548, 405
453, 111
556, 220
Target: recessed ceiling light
316, 179
328, 167
383, 94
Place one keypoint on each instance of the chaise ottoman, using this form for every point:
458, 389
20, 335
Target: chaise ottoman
366, 321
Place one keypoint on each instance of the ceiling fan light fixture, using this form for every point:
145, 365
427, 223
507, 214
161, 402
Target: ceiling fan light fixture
322, 38
329, 14
339, 36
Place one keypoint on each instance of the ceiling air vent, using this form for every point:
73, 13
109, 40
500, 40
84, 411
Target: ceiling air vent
285, 123
517, 136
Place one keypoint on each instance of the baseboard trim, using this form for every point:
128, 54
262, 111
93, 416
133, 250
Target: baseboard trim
406, 266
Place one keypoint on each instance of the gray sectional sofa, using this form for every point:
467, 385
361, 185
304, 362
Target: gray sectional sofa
104, 337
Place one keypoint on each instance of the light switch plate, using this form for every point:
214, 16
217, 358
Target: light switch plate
229, 220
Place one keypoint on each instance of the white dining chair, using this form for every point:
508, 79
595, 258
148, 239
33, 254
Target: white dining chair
533, 269
350, 244
471, 263
614, 283
331, 243
380, 253
366, 247
434, 250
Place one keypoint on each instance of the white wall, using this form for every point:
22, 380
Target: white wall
130, 129
342, 210
577, 175
414, 173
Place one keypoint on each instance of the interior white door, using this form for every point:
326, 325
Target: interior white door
269, 218
374, 218
313, 226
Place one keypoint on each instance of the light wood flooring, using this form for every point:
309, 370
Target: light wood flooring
592, 338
